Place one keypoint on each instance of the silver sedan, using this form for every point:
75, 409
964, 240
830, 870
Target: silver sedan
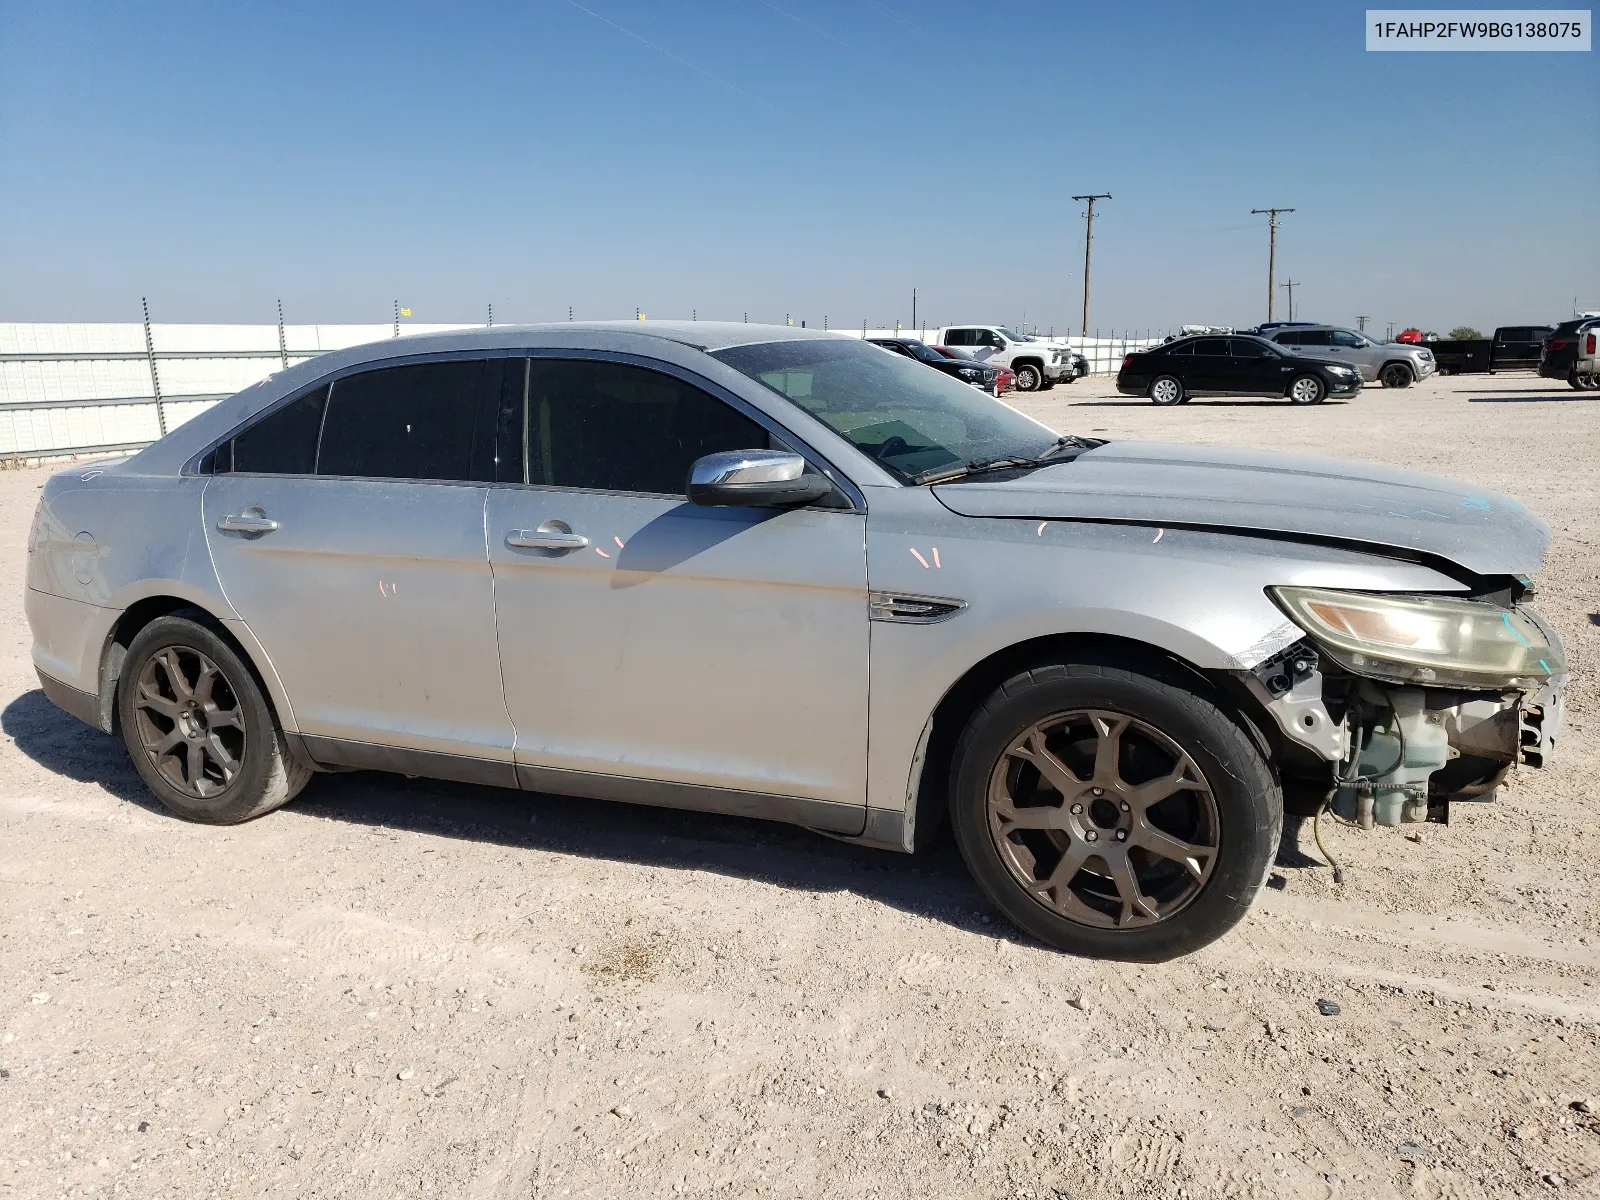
779, 573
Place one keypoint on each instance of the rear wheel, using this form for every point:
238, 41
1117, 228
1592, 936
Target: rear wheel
198, 727
1396, 375
1307, 389
1113, 813
1029, 377
1165, 389
1574, 379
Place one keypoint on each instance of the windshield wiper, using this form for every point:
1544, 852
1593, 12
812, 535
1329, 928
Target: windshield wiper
1054, 454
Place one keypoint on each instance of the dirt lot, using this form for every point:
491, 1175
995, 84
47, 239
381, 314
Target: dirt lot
404, 988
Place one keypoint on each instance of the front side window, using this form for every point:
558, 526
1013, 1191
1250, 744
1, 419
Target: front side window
1212, 347
910, 419
281, 443
1343, 337
1250, 348
619, 428
419, 421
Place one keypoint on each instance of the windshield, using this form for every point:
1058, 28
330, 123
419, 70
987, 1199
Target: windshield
1009, 336
909, 419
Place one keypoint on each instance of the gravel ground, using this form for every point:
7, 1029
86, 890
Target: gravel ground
400, 987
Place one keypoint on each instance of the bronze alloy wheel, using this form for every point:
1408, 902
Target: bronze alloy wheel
189, 721
1103, 819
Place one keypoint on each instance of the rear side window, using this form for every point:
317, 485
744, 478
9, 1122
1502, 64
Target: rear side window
619, 428
1287, 339
422, 421
1182, 348
960, 337
1316, 337
282, 443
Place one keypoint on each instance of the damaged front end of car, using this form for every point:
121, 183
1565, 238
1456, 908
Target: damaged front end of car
1393, 706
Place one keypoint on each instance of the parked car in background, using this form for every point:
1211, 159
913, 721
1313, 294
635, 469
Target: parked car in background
1586, 368
979, 375
1393, 364
1037, 364
1409, 337
1238, 365
1005, 378
1558, 358
846, 592
1512, 348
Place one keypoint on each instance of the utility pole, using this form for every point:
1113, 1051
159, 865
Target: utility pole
1289, 285
1088, 243
1361, 323
1272, 248
913, 308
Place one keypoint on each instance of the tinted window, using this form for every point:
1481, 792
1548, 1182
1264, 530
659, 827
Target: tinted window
620, 428
987, 337
1182, 348
1340, 337
1247, 348
1286, 339
1212, 347
960, 337
1315, 337
414, 422
283, 443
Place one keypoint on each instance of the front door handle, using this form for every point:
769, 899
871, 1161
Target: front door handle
251, 520
552, 535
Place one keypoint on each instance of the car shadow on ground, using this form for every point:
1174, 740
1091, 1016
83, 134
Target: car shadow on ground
1537, 396
933, 884
1209, 402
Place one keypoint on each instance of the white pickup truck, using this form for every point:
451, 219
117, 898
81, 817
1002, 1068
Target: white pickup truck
1037, 364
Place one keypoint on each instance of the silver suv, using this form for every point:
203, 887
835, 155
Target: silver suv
782, 574
1394, 364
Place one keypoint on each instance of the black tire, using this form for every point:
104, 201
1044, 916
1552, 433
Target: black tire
1245, 809
1165, 390
1307, 389
1029, 377
235, 723
1573, 379
1396, 375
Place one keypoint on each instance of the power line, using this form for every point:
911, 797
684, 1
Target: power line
1272, 248
1088, 241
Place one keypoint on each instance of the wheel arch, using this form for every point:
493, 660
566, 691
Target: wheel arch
139, 614
962, 698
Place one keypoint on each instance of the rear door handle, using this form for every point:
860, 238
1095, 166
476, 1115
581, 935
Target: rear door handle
252, 520
552, 535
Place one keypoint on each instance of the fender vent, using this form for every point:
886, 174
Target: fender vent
912, 610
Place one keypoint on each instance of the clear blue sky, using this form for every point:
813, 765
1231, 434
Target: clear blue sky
806, 157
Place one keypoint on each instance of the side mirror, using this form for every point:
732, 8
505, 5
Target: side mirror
754, 478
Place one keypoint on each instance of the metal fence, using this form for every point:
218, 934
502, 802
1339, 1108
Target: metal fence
81, 388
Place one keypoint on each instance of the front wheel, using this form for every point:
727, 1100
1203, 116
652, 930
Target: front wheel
1113, 813
1308, 389
1164, 389
1396, 375
1029, 378
199, 728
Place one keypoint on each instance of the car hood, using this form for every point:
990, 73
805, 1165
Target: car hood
1260, 492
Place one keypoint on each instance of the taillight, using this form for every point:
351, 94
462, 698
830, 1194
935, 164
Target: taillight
1588, 344
1127, 360
1556, 344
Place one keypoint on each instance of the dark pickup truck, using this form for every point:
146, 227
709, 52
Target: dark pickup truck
1513, 348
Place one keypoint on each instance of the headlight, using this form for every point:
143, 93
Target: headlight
1426, 639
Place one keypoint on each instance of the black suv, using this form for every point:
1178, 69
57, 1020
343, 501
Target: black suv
1559, 359
965, 369
1237, 365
